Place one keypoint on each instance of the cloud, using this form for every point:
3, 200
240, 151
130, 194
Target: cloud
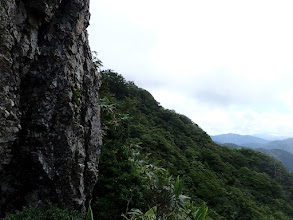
122, 45
226, 64
287, 98
218, 120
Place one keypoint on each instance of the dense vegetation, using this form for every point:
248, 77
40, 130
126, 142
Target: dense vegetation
50, 212
151, 153
285, 157
235, 183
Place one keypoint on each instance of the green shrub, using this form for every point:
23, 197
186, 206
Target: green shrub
49, 212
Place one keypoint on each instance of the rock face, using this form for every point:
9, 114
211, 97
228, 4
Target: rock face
49, 115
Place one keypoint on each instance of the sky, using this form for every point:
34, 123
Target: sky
227, 65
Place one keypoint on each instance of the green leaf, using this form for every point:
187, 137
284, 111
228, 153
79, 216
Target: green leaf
178, 187
135, 212
151, 212
200, 214
89, 213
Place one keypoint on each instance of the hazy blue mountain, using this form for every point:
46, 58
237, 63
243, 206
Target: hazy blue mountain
284, 156
253, 142
270, 137
242, 140
286, 145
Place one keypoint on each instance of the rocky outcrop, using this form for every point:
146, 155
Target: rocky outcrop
49, 115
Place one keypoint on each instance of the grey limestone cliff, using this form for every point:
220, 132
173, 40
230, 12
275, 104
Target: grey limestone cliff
49, 115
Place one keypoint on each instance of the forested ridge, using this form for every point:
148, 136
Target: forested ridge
234, 183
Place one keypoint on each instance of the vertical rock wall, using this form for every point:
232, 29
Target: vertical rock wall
49, 115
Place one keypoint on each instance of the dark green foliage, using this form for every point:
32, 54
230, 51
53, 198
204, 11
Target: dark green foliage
285, 157
50, 212
164, 194
281, 155
235, 183
119, 186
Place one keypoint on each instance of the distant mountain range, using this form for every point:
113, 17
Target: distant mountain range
253, 142
241, 140
270, 137
286, 145
281, 149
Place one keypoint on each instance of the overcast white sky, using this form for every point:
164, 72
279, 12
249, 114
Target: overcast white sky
227, 65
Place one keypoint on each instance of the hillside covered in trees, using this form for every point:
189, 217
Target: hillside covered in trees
234, 183
157, 164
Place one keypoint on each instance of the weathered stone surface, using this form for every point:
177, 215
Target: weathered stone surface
49, 115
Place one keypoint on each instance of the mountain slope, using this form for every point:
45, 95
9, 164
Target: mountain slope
286, 145
235, 183
285, 157
238, 139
